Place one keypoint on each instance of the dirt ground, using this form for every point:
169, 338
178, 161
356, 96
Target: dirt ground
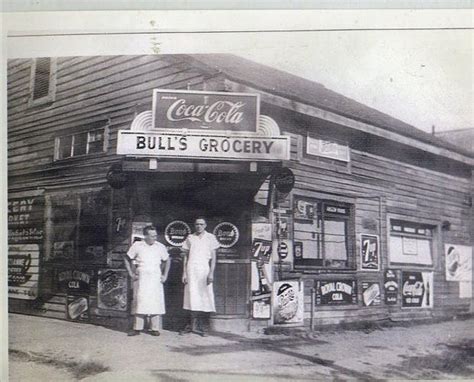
52, 350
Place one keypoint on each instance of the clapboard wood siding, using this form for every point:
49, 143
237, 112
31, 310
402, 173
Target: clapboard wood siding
88, 90
381, 186
109, 91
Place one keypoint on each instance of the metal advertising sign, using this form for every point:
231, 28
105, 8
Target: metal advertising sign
336, 292
202, 110
458, 262
369, 251
112, 290
304, 209
203, 146
227, 234
261, 307
371, 293
417, 289
25, 238
327, 149
176, 232
391, 287
75, 281
288, 302
77, 308
261, 249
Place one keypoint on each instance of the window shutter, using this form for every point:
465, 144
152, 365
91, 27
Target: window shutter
42, 77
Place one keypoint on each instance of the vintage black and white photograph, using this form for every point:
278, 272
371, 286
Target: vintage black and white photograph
240, 196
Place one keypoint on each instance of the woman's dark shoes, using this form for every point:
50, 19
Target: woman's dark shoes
132, 333
155, 333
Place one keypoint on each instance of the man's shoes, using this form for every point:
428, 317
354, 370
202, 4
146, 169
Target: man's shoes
155, 333
132, 333
202, 333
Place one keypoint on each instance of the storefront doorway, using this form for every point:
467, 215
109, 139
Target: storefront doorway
219, 198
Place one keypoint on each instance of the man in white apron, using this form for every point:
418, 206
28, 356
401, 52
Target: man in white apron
144, 265
198, 275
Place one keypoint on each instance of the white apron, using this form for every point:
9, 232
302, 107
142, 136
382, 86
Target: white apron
198, 296
148, 294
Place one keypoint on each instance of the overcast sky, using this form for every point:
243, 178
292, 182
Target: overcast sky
422, 77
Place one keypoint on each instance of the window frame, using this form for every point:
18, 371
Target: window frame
322, 215
57, 142
51, 96
433, 238
77, 223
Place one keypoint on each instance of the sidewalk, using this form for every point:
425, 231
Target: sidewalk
52, 350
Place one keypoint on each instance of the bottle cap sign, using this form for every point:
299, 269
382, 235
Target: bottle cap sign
227, 234
176, 232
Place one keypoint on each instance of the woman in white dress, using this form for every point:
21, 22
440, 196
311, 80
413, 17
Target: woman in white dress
144, 264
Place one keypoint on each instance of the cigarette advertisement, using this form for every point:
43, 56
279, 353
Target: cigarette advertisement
288, 302
371, 293
77, 308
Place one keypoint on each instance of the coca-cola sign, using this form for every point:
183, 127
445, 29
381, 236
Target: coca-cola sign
180, 109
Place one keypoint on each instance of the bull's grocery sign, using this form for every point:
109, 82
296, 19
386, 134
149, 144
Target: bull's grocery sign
158, 144
201, 110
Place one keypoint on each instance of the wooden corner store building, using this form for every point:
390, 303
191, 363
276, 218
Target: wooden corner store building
327, 211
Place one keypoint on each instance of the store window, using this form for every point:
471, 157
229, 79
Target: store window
80, 144
323, 232
411, 243
43, 81
79, 227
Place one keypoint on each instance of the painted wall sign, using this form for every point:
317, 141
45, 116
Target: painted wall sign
25, 239
176, 232
288, 302
77, 308
370, 293
458, 262
25, 220
327, 149
202, 110
336, 292
391, 286
23, 271
284, 180
227, 234
112, 289
417, 289
75, 281
203, 146
369, 251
